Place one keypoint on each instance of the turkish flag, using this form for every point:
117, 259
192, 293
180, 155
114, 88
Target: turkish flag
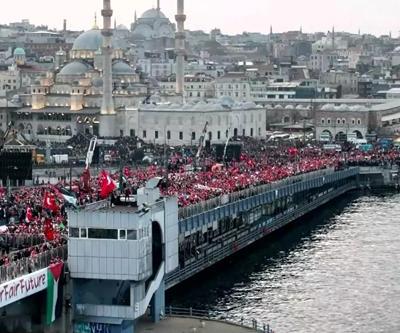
48, 230
49, 202
29, 215
107, 185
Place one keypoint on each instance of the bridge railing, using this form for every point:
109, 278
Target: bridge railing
196, 209
213, 315
14, 241
29, 265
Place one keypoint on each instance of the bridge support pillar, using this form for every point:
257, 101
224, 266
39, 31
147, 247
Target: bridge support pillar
158, 303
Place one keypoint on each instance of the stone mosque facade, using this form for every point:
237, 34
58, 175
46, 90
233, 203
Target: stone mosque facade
68, 100
71, 99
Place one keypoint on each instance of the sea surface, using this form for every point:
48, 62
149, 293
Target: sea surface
338, 270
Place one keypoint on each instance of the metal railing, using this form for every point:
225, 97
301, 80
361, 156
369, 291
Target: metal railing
15, 241
213, 315
31, 264
273, 223
195, 209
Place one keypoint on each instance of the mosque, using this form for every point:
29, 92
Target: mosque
153, 24
99, 92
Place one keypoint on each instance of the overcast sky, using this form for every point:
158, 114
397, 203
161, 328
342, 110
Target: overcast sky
231, 16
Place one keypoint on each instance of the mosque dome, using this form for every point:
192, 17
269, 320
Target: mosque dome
91, 40
121, 68
153, 14
19, 51
75, 68
153, 24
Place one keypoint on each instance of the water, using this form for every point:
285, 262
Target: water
337, 271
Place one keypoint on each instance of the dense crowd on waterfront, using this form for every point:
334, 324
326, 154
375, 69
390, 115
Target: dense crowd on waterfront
41, 210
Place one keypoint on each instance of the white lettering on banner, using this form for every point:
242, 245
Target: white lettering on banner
91, 328
22, 287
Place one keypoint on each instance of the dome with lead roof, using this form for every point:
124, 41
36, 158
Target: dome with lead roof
75, 68
153, 14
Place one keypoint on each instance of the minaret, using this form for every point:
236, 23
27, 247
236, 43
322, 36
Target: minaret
135, 16
180, 18
333, 37
158, 5
108, 105
95, 26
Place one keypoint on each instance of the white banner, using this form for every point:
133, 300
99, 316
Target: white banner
22, 287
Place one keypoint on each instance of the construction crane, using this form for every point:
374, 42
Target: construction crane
202, 140
227, 143
90, 153
89, 158
4, 138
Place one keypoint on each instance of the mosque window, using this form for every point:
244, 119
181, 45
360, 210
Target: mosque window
193, 135
251, 131
359, 121
144, 134
156, 135
168, 135
343, 121
180, 135
219, 135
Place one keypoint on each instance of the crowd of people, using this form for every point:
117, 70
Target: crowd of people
41, 210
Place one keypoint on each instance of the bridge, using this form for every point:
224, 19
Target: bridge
214, 230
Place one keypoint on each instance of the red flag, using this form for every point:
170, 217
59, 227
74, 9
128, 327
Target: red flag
127, 172
107, 185
29, 215
49, 202
86, 180
48, 230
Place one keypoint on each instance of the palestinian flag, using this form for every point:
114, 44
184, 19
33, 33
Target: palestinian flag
68, 196
54, 292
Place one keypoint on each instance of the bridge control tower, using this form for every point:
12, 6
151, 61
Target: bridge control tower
119, 254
